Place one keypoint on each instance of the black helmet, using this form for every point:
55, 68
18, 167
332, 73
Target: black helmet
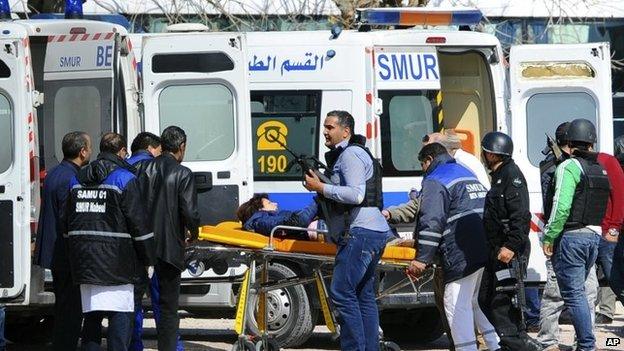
560, 134
497, 143
581, 130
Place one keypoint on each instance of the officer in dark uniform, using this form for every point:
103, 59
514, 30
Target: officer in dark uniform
506, 219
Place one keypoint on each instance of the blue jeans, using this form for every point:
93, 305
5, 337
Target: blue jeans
2, 339
532, 313
136, 344
118, 335
617, 270
605, 257
575, 254
353, 288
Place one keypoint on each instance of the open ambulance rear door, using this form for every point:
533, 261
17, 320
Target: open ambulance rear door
551, 84
15, 175
80, 84
198, 82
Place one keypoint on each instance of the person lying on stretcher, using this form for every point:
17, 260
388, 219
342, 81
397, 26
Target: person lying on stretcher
261, 215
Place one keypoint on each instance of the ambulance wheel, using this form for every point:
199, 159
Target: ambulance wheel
388, 346
248, 346
291, 317
273, 346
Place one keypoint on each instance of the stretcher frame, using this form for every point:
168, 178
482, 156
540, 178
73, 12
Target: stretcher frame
249, 284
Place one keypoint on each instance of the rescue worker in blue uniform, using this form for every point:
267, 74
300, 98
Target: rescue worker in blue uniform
50, 245
506, 218
110, 244
450, 231
355, 222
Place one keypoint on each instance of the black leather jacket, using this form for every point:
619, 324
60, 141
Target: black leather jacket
172, 206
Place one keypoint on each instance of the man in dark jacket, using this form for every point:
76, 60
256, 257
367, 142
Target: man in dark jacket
110, 244
172, 202
450, 228
506, 218
50, 245
145, 147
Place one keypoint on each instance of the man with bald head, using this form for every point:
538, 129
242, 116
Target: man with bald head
452, 143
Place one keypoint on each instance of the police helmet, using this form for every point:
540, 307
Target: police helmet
581, 130
497, 143
560, 133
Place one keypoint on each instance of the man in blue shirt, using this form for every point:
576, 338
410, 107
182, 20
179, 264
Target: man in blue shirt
355, 222
50, 245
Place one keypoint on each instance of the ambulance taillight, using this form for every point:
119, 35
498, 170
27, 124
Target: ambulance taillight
435, 40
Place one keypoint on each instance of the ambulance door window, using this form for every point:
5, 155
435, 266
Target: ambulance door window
545, 111
407, 117
206, 113
290, 117
6, 134
76, 105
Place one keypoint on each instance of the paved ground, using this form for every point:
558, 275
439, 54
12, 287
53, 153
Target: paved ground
217, 334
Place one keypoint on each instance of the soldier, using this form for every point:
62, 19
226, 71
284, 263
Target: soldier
506, 219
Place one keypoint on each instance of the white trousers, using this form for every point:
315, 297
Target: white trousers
463, 314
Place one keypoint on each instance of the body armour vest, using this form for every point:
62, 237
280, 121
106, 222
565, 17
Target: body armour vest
591, 195
373, 196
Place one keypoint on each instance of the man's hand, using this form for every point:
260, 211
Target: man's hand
150, 272
548, 249
386, 214
611, 235
191, 237
416, 269
505, 255
313, 183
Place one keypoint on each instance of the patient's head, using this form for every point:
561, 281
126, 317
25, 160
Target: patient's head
259, 202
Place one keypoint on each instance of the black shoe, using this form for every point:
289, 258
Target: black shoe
602, 319
532, 345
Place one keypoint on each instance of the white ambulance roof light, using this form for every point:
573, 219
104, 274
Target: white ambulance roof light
415, 16
73, 9
5, 10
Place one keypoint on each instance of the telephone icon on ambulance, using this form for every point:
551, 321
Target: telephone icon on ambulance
269, 131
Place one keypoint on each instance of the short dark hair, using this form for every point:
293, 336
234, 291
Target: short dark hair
344, 119
432, 150
143, 140
172, 137
112, 142
73, 143
253, 205
580, 145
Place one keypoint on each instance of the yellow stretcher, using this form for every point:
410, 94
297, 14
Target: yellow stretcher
256, 251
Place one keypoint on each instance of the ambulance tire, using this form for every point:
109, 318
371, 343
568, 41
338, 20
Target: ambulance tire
292, 317
424, 325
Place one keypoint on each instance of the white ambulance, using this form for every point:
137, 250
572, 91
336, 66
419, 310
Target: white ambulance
60, 75
399, 85
57, 76
403, 84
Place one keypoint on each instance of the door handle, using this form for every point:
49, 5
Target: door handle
203, 181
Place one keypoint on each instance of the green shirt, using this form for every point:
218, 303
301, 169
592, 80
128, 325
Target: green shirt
567, 176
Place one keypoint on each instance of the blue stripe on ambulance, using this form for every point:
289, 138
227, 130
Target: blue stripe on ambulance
296, 201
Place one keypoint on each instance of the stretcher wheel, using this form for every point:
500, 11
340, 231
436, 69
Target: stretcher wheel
248, 346
388, 346
273, 346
